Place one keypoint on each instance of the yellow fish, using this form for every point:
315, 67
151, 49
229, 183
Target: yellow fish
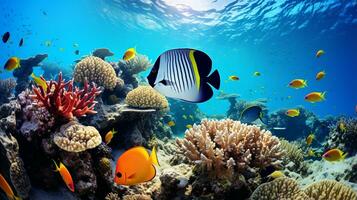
40, 81
184, 116
311, 153
136, 166
320, 53
109, 136
188, 126
4, 185
233, 78
293, 112
320, 75
66, 176
257, 74
12, 63
298, 83
314, 97
309, 139
129, 54
334, 155
171, 123
276, 174
342, 127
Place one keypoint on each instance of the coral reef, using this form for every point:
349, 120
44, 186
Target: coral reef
102, 53
74, 137
22, 73
230, 146
237, 106
63, 100
6, 87
95, 70
146, 97
112, 196
51, 70
8, 112
330, 190
294, 156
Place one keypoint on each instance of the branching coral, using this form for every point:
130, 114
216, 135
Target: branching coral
330, 190
292, 153
95, 70
230, 145
74, 137
146, 97
6, 86
63, 100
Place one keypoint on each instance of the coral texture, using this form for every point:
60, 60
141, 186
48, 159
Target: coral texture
6, 86
330, 190
294, 157
346, 139
230, 145
112, 196
146, 97
95, 70
74, 137
63, 100
136, 65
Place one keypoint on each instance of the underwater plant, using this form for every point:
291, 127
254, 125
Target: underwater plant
63, 100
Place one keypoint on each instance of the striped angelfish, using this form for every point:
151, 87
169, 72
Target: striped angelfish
184, 74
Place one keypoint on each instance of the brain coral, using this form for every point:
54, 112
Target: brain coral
95, 70
279, 189
146, 97
230, 145
74, 137
330, 190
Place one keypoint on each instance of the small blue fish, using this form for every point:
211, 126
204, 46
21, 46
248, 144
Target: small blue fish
251, 113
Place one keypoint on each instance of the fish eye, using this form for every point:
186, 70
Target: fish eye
119, 175
164, 82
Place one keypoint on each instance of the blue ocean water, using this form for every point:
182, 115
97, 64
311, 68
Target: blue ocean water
277, 38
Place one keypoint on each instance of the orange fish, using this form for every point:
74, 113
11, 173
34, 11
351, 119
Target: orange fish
314, 97
66, 176
12, 63
135, 166
129, 54
4, 185
109, 136
320, 75
319, 53
334, 155
298, 83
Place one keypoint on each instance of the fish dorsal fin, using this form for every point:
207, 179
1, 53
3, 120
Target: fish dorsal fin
153, 157
204, 63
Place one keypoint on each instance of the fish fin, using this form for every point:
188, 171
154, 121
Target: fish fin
113, 131
153, 175
153, 157
57, 168
214, 80
344, 156
261, 118
33, 75
206, 93
203, 61
323, 95
17, 198
131, 176
305, 83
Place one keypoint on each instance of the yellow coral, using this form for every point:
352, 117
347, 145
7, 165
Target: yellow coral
279, 189
96, 70
74, 137
146, 97
330, 190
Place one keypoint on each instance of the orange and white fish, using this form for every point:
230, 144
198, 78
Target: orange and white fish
136, 166
320, 75
129, 54
315, 97
109, 136
298, 83
334, 155
66, 176
4, 185
12, 63
293, 112
319, 53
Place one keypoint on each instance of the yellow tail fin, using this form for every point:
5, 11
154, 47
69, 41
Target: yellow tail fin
57, 168
323, 95
153, 157
33, 75
17, 198
305, 83
344, 156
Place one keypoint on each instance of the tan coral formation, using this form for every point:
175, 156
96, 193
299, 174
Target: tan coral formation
330, 190
75, 137
136, 65
146, 97
94, 69
292, 151
227, 146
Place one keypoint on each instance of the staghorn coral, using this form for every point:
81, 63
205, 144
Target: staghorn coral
74, 137
279, 189
95, 70
6, 87
146, 97
330, 190
230, 146
65, 101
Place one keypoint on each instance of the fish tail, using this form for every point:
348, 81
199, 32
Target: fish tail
305, 83
57, 168
323, 95
214, 79
33, 75
344, 156
17, 198
153, 156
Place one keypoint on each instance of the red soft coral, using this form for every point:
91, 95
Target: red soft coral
61, 99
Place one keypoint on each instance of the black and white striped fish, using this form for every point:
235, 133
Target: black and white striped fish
184, 74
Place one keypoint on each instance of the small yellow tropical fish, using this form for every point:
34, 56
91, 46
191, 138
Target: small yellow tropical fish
4, 185
309, 139
298, 83
257, 74
276, 174
171, 123
334, 155
293, 112
188, 126
40, 81
129, 54
48, 43
289, 97
184, 116
109, 136
61, 49
12, 63
342, 127
233, 78
136, 166
311, 153
66, 176
320, 75
320, 53
315, 97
